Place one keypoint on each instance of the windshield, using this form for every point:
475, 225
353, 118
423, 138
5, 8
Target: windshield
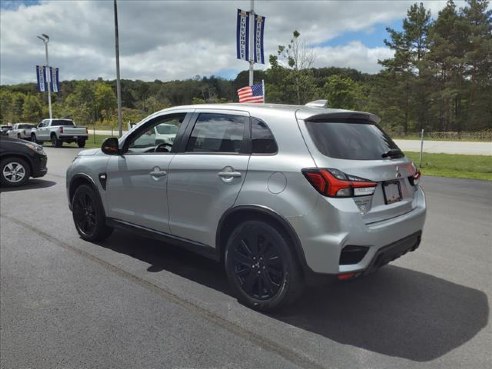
353, 141
22, 126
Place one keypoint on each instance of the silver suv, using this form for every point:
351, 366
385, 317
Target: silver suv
277, 193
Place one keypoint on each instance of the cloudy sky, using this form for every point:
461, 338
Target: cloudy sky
167, 40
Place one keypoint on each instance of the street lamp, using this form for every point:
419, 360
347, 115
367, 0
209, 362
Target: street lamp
45, 38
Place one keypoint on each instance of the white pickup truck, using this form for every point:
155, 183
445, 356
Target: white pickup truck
21, 130
59, 131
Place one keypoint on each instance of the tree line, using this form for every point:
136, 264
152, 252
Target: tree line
439, 79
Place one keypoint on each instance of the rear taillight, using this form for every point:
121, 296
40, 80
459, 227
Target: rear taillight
415, 178
335, 183
61, 129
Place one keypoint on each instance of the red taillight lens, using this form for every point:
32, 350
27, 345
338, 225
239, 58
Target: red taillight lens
334, 183
61, 129
415, 179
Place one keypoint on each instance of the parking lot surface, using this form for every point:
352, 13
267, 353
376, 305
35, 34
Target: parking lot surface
136, 303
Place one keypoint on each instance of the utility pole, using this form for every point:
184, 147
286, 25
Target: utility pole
118, 84
45, 38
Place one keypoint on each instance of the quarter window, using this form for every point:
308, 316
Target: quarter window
217, 133
262, 138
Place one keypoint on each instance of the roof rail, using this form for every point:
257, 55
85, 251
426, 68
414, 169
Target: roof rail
318, 103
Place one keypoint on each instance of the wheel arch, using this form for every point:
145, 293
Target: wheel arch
234, 216
78, 180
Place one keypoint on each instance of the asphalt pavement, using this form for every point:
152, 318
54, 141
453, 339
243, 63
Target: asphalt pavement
130, 302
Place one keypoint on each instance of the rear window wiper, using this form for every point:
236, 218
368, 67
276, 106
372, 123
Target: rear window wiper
393, 153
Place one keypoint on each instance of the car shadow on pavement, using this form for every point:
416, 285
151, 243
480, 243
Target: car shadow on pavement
395, 311
32, 184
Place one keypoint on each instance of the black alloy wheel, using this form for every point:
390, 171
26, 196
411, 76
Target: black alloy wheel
88, 215
261, 266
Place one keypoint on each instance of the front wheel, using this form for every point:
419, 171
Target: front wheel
14, 172
261, 267
33, 139
88, 215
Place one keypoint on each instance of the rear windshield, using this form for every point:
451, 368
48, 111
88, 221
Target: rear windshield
352, 140
62, 122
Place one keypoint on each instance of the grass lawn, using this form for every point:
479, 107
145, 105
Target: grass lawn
441, 165
454, 166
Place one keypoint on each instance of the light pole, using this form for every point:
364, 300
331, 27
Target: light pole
118, 83
45, 38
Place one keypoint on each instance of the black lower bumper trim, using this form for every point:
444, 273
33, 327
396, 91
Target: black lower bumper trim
394, 250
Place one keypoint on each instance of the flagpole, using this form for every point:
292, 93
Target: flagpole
251, 42
264, 91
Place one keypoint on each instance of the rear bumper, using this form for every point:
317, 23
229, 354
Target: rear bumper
73, 137
334, 225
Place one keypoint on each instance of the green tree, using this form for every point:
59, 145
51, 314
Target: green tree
32, 109
344, 93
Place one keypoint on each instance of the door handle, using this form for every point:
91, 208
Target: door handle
229, 174
158, 173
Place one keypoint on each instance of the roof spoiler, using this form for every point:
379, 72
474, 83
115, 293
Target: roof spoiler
318, 104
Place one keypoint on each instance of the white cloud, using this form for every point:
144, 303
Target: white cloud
169, 40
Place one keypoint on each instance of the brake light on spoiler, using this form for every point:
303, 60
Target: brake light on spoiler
335, 183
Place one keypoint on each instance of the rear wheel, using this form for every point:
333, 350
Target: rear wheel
81, 143
55, 142
261, 268
88, 215
14, 172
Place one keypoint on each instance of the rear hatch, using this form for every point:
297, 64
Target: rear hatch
351, 147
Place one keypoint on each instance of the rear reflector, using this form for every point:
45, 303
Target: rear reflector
335, 183
346, 276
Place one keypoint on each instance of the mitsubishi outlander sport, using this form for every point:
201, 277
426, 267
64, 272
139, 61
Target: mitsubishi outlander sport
276, 193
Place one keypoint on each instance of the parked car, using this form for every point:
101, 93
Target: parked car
4, 130
21, 130
58, 131
20, 160
279, 194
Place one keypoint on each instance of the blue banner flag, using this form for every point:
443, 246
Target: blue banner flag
40, 77
258, 38
55, 79
242, 35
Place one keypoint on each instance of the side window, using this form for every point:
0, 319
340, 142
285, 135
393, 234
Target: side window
156, 135
217, 133
262, 138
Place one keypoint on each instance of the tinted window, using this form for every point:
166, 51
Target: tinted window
157, 135
22, 126
217, 133
62, 122
356, 141
262, 138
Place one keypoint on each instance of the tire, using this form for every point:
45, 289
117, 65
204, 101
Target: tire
261, 267
14, 172
55, 142
88, 215
33, 139
81, 143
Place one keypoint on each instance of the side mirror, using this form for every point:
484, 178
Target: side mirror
110, 146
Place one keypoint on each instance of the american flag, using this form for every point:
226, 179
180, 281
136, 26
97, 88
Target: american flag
252, 94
